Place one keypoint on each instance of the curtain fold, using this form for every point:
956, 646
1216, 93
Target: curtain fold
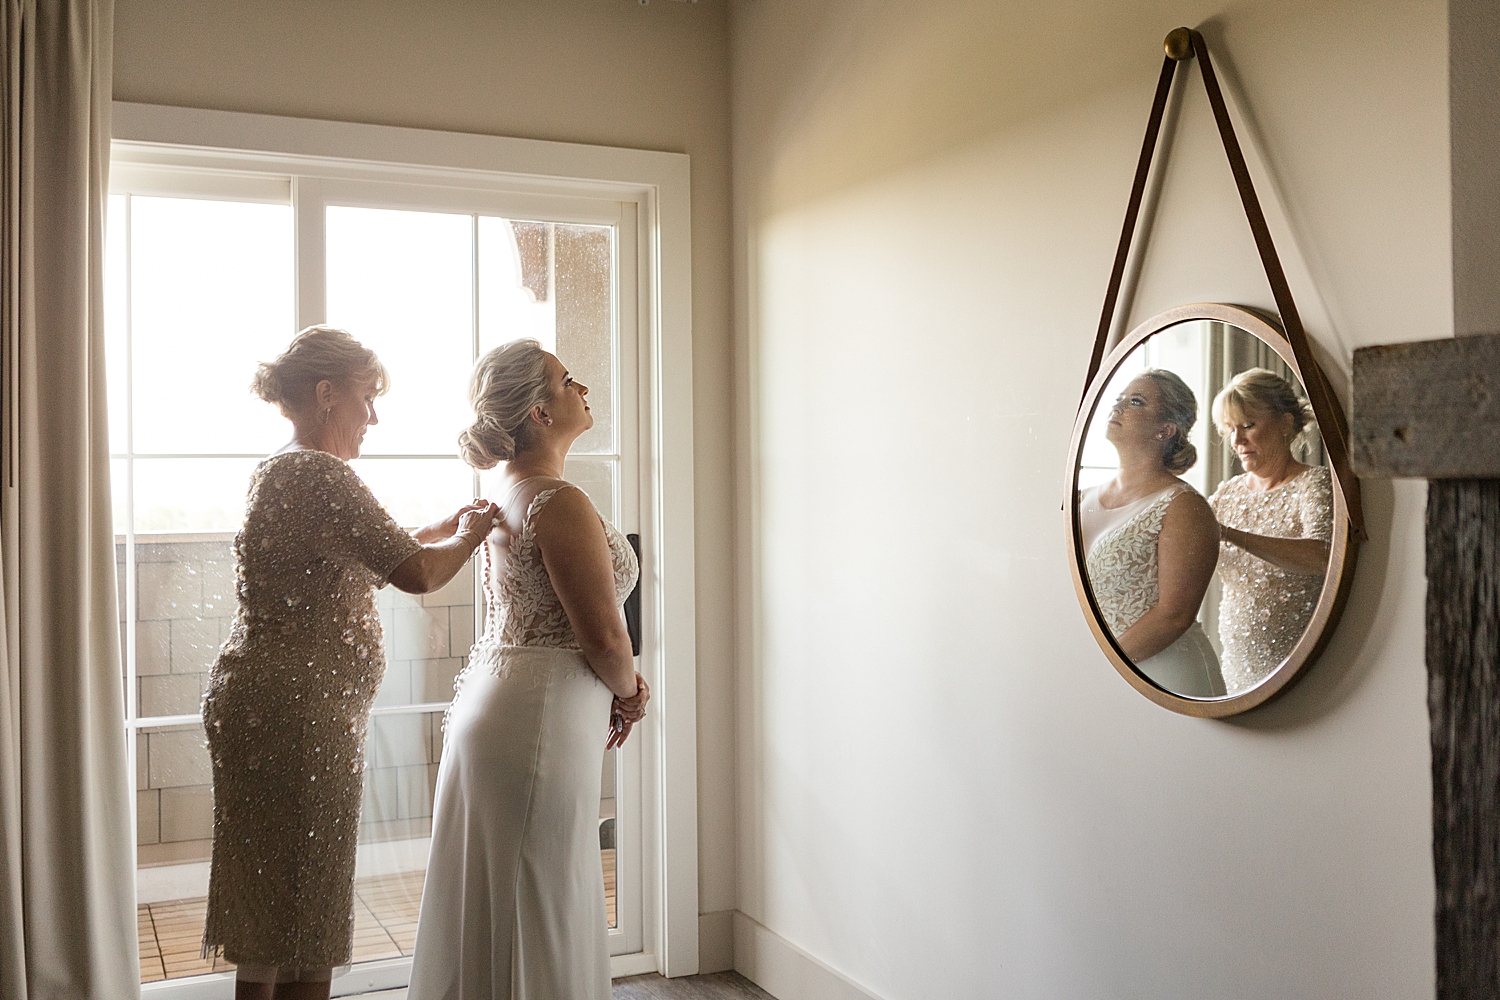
67, 907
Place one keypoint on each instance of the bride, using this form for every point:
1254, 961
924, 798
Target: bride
1151, 540
513, 906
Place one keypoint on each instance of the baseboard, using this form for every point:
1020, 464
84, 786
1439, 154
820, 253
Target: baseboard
638, 964
786, 971
715, 942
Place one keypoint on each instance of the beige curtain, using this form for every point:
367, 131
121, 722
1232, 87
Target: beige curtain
67, 907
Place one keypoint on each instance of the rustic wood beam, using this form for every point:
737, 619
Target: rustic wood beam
1463, 701
1432, 410
1428, 410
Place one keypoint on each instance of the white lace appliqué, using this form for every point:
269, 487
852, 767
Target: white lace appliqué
522, 609
1122, 567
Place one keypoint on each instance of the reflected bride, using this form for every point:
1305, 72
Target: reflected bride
1152, 541
1277, 522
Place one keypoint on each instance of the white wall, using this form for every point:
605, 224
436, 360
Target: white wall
944, 788
614, 73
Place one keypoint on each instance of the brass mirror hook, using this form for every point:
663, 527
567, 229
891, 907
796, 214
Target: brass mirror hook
1179, 44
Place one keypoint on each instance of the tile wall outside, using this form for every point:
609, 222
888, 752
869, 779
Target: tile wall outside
186, 601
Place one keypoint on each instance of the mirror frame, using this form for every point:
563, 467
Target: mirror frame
1345, 544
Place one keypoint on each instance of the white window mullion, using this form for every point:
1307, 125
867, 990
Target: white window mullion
309, 222
132, 694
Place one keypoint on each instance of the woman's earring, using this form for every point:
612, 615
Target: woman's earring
327, 413
547, 421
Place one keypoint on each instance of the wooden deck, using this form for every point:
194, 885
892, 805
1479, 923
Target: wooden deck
385, 924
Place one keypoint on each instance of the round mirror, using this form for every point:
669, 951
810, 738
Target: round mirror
1210, 538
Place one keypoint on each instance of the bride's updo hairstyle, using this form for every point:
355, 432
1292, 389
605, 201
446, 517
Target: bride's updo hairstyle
315, 354
507, 382
1176, 405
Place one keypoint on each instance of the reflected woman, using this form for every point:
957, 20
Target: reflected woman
1151, 540
1276, 522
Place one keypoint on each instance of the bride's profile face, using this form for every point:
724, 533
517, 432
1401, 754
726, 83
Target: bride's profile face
568, 406
1132, 418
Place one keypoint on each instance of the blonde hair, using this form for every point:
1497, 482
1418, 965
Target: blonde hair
1175, 404
507, 382
315, 354
1267, 392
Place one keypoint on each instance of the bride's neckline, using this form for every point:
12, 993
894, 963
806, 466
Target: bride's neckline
1099, 496
516, 488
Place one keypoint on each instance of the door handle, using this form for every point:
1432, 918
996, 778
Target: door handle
633, 602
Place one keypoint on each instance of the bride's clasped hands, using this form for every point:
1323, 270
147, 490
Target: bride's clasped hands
626, 712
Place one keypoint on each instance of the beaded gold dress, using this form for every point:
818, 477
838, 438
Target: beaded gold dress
1265, 609
286, 711
513, 906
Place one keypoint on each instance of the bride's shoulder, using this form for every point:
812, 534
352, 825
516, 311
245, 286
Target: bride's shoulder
555, 499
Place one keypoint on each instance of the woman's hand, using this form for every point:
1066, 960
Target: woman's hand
476, 521
634, 709
619, 732
448, 526
624, 713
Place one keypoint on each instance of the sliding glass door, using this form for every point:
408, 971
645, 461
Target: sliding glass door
209, 273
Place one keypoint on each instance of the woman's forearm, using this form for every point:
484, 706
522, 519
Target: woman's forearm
1295, 555
613, 661
1152, 632
434, 532
433, 565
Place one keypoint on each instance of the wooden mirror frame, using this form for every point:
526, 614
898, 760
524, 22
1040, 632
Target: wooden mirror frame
1345, 544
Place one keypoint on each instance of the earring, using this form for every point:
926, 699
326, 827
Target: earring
327, 413
547, 421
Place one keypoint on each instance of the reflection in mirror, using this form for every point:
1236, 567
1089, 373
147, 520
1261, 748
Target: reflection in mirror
1205, 509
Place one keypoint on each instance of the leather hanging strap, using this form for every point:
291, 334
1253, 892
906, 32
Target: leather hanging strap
1330, 418
1132, 213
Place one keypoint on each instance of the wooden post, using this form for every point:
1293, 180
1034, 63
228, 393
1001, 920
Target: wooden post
1432, 410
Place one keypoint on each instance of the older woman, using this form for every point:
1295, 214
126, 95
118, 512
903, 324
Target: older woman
513, 906
289, 696
1276, 522
1151, 541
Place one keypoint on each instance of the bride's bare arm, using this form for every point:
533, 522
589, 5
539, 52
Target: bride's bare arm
1186, 552
576, 555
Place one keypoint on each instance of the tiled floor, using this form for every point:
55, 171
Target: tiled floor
385, 924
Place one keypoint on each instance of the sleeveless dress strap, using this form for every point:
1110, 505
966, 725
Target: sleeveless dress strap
534, 509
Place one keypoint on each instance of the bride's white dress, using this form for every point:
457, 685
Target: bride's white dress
1121, 558
513, 907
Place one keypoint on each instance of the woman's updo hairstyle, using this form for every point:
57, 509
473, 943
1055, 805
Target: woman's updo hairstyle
507, 382
1265, 392
1176, 405
315, 354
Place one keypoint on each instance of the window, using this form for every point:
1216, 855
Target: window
211, 270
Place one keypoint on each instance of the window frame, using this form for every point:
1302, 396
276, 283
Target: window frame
562, 182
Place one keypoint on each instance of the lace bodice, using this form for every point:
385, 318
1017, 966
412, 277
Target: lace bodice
1122, 564
1265, 609
522, 608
